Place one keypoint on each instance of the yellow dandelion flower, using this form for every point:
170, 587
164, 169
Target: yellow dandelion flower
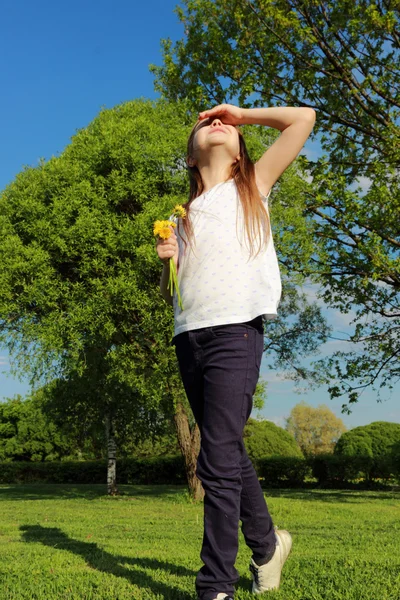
157, 226
164, 233
162, 227
179, 211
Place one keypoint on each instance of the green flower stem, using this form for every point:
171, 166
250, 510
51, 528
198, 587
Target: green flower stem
173, 282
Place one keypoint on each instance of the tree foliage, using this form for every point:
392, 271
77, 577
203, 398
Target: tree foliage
264, 438
79, 277
342, 59
376, 439
27, 434
315, 429
77, 249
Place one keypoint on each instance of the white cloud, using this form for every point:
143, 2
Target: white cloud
279, 420
364, 182
3, 360
273, 377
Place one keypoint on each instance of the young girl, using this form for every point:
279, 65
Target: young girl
228, 290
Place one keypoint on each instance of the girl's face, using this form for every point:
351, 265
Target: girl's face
210, 133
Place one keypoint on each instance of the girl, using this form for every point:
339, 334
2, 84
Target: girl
227, 291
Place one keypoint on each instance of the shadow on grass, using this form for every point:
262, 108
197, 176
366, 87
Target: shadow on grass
88, 491
175, 493
103, 561
324, 495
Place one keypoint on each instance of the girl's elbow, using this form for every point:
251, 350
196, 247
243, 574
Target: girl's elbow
310, 113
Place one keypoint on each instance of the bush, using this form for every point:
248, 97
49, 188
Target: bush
396, 460
158, 469
264, 438
335, 469
283, 471
374, 440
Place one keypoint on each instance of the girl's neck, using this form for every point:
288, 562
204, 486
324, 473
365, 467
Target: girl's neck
213, 173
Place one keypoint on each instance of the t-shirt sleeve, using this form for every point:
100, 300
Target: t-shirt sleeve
265, 198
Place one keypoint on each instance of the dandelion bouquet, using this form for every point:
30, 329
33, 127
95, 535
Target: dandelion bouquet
162, 230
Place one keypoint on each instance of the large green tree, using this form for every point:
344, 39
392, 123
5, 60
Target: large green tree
342, 59
80, 305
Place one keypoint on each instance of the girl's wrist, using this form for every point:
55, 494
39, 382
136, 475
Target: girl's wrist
253, 116
245, 116
257, 116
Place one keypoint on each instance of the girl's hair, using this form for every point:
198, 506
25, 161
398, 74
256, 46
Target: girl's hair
243, 173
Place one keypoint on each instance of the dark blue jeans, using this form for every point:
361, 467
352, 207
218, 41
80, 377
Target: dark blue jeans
220, 367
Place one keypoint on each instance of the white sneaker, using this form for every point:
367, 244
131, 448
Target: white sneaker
222, 596
268, 576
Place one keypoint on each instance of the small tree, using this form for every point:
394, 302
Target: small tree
316, 430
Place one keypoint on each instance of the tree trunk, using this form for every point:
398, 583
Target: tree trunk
112, 489
189, 443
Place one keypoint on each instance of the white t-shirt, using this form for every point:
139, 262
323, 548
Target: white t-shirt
218, 282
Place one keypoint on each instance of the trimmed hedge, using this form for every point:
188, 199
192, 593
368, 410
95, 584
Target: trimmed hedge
283, 471
334, 469
162, 469
329, 470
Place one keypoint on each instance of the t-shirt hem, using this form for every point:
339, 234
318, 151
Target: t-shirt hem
267, 313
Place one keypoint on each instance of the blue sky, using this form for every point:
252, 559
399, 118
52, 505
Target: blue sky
61, 65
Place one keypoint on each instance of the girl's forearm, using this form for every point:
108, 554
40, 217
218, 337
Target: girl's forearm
278, 117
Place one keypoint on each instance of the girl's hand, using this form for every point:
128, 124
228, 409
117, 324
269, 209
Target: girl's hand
227, 113
167, 249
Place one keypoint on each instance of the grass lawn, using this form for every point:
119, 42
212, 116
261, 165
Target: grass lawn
75, 542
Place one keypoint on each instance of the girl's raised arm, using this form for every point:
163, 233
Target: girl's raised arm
295, 123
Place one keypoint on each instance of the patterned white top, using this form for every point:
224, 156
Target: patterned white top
218, 282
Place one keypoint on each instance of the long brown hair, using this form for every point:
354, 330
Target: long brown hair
243, 173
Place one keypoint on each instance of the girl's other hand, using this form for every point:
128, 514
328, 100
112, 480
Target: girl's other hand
169, 248
227, 113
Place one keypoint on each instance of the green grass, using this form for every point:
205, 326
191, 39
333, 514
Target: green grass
74, 542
